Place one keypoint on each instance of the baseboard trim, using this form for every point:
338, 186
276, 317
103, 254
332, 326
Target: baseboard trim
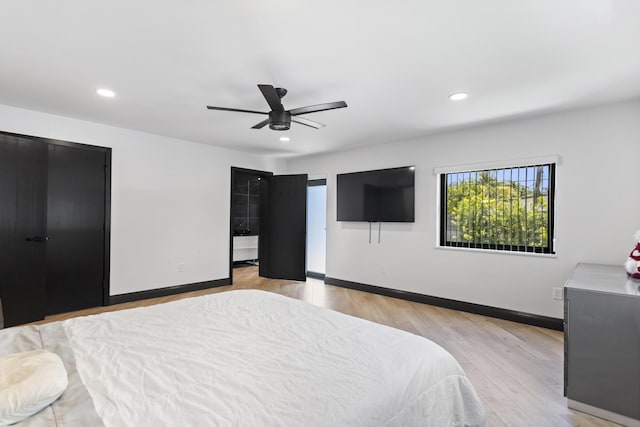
602, 413
315, 275
485, 310
171, 290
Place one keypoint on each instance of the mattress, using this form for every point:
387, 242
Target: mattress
253, 358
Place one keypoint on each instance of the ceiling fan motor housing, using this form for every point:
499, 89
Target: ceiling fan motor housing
279, 120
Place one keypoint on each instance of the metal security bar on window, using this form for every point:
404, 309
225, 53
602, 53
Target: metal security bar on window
508, 209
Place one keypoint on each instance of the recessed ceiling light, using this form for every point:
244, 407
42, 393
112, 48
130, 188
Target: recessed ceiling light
107, 93
285, 139
458, 96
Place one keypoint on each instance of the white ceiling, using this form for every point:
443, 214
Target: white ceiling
393, 62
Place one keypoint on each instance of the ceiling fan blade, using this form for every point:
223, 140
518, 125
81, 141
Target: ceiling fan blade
261, 124
235, 109
319, 107
270, 94
307, 122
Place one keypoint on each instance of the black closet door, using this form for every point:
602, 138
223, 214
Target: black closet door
283, 227
76, 228
23, 186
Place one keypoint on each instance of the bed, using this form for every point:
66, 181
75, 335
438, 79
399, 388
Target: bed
246, 358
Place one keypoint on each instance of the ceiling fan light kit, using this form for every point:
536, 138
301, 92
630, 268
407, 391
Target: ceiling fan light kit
279, 118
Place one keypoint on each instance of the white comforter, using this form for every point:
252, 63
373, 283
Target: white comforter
252, 358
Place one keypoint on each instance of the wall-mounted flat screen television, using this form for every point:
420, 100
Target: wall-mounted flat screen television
384, 195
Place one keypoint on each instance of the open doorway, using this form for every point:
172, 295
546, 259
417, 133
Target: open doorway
268, 223
245, 215
316, 228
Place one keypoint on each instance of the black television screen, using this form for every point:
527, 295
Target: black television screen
384, 195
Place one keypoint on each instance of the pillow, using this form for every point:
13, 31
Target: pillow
29, 382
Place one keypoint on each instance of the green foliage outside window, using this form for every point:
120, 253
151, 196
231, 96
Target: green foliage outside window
503, 208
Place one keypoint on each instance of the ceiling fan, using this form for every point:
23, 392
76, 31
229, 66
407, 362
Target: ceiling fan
279, 118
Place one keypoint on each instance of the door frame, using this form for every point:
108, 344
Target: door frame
107, 200
234, 170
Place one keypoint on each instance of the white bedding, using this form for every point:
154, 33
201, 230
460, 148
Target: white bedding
252, 358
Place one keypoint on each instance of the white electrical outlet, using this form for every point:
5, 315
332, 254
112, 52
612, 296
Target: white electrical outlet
557, 293
181, 267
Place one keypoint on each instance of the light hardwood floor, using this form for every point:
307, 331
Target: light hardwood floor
516, 369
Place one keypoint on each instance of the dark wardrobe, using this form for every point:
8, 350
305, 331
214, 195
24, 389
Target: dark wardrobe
54, 227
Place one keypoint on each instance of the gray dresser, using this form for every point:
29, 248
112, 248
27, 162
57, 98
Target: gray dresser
602, 343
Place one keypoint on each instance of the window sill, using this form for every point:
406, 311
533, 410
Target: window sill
493, 251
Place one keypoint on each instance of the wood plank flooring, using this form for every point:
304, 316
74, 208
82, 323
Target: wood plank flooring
516, 369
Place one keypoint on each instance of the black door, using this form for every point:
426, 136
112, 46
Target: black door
23, 239
283, 227
76, 228
54, 207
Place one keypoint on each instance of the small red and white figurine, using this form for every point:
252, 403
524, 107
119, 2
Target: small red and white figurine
633, 262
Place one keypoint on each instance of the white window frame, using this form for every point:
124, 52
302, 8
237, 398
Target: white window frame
497, 164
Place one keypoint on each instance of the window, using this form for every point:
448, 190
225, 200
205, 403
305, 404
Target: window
509, 209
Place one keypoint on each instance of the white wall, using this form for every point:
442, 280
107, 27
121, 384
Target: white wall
169, 199
598, 208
